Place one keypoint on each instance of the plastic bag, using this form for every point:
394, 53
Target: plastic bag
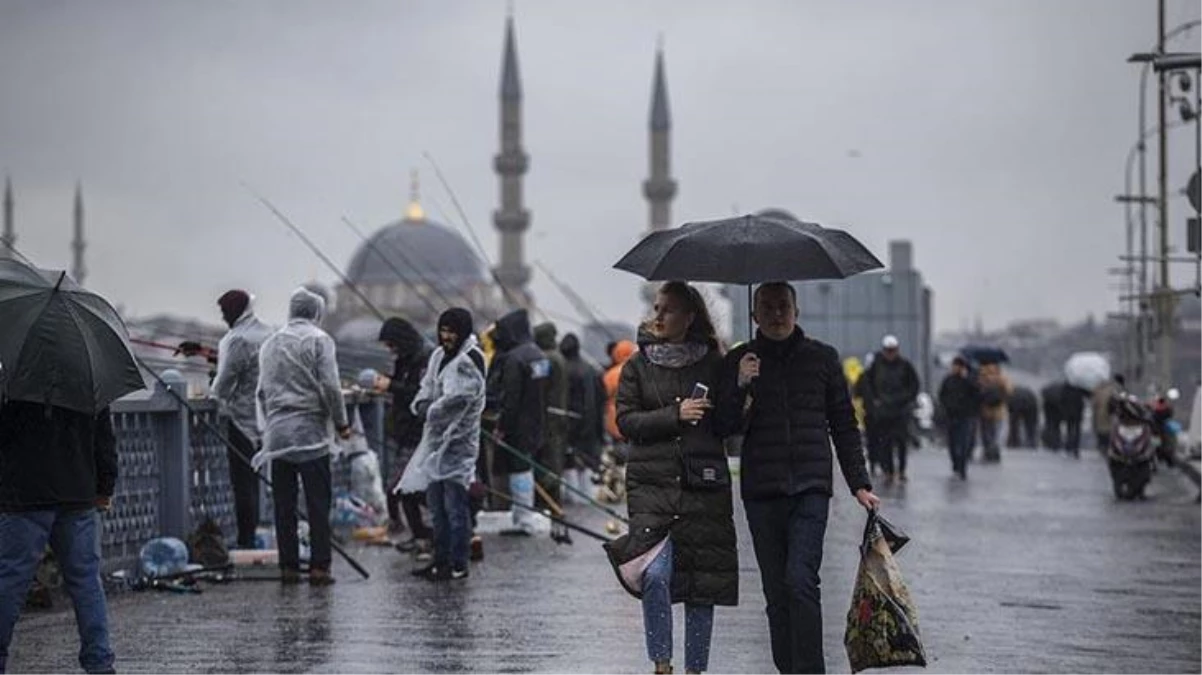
882, 624
163, 556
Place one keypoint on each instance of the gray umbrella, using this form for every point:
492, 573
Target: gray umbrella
748, 249
61, 344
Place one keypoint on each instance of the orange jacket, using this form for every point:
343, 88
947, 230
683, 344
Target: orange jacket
621, 354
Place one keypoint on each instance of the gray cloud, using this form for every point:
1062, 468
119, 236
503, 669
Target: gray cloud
992, 134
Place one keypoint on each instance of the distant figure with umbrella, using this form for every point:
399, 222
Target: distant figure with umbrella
786, 393
65, 357
995, 393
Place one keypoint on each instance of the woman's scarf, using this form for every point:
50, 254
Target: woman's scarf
675, 354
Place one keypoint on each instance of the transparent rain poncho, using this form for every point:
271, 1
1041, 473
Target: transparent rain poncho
299, 394
451, 436
238, 371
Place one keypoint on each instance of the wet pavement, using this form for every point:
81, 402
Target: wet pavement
1030, 566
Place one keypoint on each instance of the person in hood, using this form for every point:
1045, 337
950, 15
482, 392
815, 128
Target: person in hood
517, 399
620, 354
890, 387
960, 397
681, 544
786, 392
234, 388
451, 400
406, 344
300, 399
586, 403
553, 453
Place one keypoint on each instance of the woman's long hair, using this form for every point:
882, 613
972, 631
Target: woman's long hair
701, 330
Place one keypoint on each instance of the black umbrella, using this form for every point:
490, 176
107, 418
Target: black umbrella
748, 250
985, 354
61, 344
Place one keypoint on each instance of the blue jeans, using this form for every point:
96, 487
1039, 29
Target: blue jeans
450, 513
657, 617
74, 538
788, 534
959, 441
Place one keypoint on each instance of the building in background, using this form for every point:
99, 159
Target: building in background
854, 314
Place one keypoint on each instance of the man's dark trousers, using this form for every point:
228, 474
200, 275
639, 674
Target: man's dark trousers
788, 534
959, 441
245, 484
315, 474
893, 439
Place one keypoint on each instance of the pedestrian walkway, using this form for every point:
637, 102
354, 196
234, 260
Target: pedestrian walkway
1030, 566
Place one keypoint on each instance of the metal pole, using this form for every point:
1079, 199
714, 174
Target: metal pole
1197, 105
1140, 322
1165, 306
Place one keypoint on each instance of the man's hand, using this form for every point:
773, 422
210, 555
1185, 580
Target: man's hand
749, 369
104, 503
345, 432
867, 499
383, 382
693, 409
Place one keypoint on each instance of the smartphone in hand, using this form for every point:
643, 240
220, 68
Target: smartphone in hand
700, 391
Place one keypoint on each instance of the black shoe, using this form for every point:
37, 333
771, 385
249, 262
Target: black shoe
422, 571
407, 546
438, 573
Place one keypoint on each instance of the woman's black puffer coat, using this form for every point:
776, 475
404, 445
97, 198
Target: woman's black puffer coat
705, 568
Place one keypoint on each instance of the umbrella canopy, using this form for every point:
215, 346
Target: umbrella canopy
61, 344
1087, 370
748, 250
984, 354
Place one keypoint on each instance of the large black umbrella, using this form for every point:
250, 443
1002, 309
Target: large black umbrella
984, 354
748, 249
61, 344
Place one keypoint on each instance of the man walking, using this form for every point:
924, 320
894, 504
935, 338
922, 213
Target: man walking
234, 389
961, 400
787, 393
890, 390
299, 395
451, 399
57, 467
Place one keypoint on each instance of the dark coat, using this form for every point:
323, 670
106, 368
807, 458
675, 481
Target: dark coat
555, 434
54, 458
799, 403
889, 389
705, 567
517, 392
411, 359
586, 397
960, 396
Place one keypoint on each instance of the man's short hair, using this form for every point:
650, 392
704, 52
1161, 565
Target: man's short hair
775, 285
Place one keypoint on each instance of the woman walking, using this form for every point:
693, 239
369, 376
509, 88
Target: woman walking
681, 545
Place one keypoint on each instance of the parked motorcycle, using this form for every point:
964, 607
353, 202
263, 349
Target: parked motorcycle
1132, 453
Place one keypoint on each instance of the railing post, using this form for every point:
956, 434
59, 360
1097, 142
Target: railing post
175, 492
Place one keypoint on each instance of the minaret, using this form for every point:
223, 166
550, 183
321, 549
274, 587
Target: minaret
9, 239
78, 271
511, 220
659, 188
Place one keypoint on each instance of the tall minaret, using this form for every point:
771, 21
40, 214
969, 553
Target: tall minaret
9, 239
512, 220
78, 270
659, 188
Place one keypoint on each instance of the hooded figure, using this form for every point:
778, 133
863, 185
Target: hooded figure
300, 399
586, 402
234, 388
451, 399
621, 353
517, 395
403, 340
553, 453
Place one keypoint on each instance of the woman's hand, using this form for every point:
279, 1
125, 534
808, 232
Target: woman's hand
693, 409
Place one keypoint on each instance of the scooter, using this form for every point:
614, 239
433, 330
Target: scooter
1131, 453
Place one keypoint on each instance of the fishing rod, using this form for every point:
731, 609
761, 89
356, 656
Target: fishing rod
549, 516
527, 458
316, 251
187, 348
212, 428
578, 303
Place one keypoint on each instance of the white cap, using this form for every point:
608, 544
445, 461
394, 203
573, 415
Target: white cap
890, 342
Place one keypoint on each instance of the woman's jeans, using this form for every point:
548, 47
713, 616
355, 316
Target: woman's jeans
657, 617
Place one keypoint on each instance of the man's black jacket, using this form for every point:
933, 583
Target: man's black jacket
54, 458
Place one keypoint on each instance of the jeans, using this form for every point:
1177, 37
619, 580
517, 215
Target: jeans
959, 441
448, 502
657, 617
316, 476
245, 483
788, 533
75, 539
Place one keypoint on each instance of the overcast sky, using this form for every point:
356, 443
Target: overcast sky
991, 134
